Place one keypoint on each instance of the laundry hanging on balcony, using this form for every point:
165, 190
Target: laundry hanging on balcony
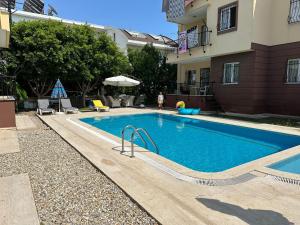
166, 4
182, 42
175, 9
187, 2
192, 37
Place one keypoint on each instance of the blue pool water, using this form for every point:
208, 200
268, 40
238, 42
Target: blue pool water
197, 144
291, 165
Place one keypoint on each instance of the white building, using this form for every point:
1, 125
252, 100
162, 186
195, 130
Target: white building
125, 39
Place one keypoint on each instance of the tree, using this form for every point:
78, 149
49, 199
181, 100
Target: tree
150, 66
43, 51
37, 54
91, 57
3, 68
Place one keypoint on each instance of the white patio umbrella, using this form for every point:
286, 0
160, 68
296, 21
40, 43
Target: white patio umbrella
121, 81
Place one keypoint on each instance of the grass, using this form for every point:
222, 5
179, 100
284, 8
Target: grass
86, 109
269, 120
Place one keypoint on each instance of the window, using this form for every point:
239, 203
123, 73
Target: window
191, 77
294, 11
228, 18
231, 73
293, 71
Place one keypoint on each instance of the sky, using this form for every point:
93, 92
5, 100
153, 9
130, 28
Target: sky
135, 15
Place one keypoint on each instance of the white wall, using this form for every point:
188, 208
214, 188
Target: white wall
120, 38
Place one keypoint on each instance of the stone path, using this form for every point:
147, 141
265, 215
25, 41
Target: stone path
16, 201
66, 188
8, 141
25, 122
17, 205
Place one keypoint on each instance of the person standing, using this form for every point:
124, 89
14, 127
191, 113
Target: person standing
160, 100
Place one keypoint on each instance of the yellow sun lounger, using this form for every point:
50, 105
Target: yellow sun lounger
99, 106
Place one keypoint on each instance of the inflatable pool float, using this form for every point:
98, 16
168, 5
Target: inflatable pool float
184, 111
180, 104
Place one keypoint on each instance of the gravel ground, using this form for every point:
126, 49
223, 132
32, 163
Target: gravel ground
67, 189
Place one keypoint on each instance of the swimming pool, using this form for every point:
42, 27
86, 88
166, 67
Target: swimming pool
197, 144
291, 165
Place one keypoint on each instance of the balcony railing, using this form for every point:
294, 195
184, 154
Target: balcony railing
193, 88
176, 10
294, 15
187, 41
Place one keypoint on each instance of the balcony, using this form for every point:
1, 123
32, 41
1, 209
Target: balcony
191, 44
185, 11
202, 88
195, 95
198, 88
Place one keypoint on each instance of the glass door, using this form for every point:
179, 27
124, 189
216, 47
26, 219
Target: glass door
204, 77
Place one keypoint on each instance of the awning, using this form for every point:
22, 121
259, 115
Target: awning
4, 30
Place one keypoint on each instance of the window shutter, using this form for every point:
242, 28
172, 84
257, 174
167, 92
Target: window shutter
293, 71
294, 11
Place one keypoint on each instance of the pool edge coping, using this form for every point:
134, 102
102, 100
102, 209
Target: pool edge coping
192, 175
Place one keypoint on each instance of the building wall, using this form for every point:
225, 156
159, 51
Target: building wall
117, 35
239, 97
4, 30
7, 115
262, 86
227, 43
4, 21
236, 41
282, 98
262, 22
259, 21
119, 38
270, 23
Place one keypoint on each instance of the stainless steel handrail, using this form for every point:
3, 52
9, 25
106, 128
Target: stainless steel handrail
136, 131
123, 136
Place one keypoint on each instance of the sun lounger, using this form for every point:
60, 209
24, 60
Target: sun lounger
99, 106
140, 101
130, 101
127, 100
43, 107
113, 103
67, 107
104, 100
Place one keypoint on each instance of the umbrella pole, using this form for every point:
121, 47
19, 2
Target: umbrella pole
59, 103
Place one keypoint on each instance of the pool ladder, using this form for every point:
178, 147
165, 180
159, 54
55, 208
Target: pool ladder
136, 131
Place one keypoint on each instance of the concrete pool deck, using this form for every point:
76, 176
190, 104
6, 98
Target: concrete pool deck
261, 200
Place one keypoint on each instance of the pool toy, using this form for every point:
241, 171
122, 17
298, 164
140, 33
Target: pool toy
186, 111
180, 104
